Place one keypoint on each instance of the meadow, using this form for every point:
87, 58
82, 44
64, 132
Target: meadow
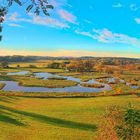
55, 118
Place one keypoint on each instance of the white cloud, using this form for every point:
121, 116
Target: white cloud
88, 21
59, 3
15, 25
107, 36
64, 14
49, 22
60, 18
69, 5
137, 20
118, 5
84, 33
40, 20
15, 18
134, 7
54, 3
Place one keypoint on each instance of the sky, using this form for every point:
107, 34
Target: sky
106, 28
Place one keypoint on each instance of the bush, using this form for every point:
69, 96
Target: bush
32, 66
117, 124
92, 85
56, 78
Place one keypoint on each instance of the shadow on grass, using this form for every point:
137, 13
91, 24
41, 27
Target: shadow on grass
6, 78
8, 99
8, 119
47, 119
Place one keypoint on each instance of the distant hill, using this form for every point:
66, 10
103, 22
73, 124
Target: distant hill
17, 58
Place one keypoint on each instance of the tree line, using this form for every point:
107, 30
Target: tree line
102, 60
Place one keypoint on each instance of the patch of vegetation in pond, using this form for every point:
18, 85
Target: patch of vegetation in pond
5, 78
35, 82
103, 77
110, 81
19, 73
133, 83
57, 78
69, 74
92, 85
121, 88
2, 85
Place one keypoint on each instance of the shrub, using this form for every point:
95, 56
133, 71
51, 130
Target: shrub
117, 124
56, 78
92, 85
32, 66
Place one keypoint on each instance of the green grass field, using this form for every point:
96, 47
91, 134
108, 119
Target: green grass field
55, 119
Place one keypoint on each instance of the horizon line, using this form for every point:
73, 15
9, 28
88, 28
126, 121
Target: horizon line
70, 56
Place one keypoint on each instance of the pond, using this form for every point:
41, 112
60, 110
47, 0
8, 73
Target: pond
47, 75
14, 86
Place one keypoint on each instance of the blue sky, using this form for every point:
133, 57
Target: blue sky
75, 28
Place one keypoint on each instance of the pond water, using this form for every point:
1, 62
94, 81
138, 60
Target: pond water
47, 75
112, 80
14, 86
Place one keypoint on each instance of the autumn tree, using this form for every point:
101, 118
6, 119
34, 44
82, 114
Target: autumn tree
118, 123
54, 65
80, 66
88, 65
4, 64
99, 67
109, 70
109, 121
76, 66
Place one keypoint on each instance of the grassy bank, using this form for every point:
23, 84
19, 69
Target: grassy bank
44, 70
66, 94
2, 86
41, 119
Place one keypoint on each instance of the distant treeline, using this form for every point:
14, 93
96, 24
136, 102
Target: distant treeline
17, 58
106, 60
